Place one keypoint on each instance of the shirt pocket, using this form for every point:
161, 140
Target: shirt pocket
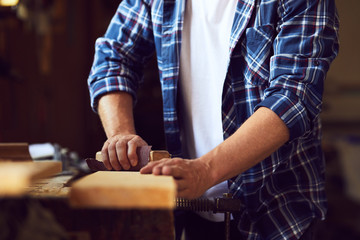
258, 48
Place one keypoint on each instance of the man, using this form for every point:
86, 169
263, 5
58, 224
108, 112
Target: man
251, 71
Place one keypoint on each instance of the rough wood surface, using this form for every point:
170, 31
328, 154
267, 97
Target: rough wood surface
125, 190
15, 177
56, 186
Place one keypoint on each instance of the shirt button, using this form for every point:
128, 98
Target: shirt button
317, 62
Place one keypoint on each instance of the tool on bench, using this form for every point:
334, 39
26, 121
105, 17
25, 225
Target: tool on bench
225, 205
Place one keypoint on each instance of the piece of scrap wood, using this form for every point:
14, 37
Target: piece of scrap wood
119, 189
14, 152
15, 177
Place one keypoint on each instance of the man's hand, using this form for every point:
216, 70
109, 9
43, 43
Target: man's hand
119, 151
262, 134
192, 177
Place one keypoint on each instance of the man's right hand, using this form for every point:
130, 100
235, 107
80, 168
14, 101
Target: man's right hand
119, 151
116, 114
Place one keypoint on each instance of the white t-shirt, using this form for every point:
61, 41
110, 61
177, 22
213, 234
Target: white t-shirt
204, 60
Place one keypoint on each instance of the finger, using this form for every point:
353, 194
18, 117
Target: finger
131, 152
157, 170
150, 166
147, 169
105, 156
166, 167
173, 170
113, 156
121, 151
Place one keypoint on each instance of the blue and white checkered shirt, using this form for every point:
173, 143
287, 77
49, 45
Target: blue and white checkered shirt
280, 52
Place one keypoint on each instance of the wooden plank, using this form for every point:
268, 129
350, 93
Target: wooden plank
128, 190
15, 177
14, 152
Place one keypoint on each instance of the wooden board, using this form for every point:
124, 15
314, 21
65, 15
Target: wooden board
14, 152
128, 190
15, 177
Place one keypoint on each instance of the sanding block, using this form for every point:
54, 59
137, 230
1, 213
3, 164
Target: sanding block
144, 153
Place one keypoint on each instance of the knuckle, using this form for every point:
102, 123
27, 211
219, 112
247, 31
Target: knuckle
120, 143
135, 137
111, 146
177, 160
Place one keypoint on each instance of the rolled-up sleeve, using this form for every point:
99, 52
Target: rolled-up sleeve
121, 53
306, 44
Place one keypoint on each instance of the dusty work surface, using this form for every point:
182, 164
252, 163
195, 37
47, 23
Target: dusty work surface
124, 190
15, 177
52, 218
50, 197
56, 186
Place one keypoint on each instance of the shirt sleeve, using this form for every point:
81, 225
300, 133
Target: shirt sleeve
306, 44
121, 53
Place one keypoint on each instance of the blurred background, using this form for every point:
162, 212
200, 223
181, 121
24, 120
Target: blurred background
46, 51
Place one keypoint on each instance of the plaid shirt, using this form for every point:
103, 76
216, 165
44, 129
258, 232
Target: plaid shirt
280, 52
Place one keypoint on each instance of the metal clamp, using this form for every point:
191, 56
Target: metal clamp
227, 204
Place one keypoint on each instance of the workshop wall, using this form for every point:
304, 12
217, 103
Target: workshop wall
341, 130
46, 51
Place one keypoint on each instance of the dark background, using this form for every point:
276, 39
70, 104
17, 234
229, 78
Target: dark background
46, 53
43, 78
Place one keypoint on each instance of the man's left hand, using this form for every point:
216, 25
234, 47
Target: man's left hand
192, 177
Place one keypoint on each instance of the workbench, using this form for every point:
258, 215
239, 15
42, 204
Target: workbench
42, 200
51, 195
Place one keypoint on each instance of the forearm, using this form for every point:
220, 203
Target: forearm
262, 134
116, 113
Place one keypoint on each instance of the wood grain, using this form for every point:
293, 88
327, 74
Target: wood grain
15, 177
125, 190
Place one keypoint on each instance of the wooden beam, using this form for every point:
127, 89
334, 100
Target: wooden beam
124, 190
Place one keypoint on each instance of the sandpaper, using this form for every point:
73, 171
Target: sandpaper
142, 152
